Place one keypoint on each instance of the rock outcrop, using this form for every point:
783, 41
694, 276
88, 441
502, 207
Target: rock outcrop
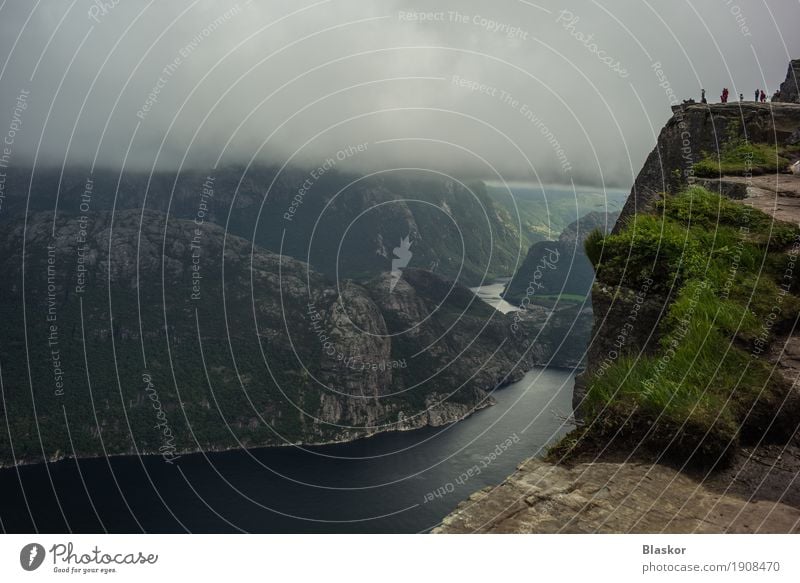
616, 488
694, 130
789, 91
634, 497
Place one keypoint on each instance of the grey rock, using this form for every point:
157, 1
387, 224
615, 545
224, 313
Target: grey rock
789, 91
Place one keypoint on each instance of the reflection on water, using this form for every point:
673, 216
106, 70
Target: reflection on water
395, 482
491, 294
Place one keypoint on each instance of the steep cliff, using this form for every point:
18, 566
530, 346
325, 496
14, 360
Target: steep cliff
689, 408
697, 131
628, 309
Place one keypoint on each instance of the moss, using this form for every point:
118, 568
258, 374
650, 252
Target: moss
649, 247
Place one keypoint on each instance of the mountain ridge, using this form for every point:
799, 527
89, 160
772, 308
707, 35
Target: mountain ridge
149, 334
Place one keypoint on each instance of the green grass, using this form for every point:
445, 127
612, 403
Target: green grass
703, 389
738, 158
593, 246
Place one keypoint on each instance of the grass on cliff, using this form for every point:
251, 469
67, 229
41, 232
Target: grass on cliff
723, 267
739, 157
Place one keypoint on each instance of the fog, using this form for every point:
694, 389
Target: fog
512, 90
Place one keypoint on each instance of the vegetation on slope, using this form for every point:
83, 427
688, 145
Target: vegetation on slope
730, 272
739, 157
135, 362
544, 212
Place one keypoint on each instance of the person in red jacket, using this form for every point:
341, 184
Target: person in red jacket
724, 97
763, 96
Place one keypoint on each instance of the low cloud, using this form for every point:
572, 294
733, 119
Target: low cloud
522, 91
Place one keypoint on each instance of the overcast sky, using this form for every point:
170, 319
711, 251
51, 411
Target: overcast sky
511, 88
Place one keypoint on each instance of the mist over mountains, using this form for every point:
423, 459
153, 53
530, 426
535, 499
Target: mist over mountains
519, 90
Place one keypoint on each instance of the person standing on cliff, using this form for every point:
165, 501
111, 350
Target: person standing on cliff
703, 96
763, 96
741, 97
758, 92
724, 97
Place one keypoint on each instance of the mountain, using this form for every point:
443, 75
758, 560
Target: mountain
345, 226
545, 211
135, 332
553, 268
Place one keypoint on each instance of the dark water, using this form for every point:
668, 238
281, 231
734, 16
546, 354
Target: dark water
372, 485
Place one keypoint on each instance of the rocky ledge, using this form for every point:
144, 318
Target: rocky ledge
637, 497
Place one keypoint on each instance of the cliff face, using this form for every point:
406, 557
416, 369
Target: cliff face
131, 333
626, 319
667, 377
696, 130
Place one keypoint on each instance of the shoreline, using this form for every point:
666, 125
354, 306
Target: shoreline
200, 451
174, 457
483, 404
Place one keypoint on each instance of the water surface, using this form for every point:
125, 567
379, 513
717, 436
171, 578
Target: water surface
379, 484
401, 482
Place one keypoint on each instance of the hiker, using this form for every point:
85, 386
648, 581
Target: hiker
758, 92
703, 96
741, 97
724, 97
763, 96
